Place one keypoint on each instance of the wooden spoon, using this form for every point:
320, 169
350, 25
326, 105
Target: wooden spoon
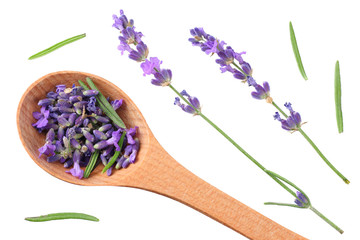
155, 170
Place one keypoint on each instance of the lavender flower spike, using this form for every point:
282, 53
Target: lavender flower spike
187, 108
293, 122
262, 92
162, 78
141, 54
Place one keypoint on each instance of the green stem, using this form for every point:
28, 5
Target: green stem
326, 219
277, 178
282, 204
315, 147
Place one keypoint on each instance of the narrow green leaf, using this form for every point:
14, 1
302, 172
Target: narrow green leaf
339, 116
90, 167
58, 45
61, 216
106, 106
296, 52
116, 154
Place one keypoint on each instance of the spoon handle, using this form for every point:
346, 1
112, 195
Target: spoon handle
161, 174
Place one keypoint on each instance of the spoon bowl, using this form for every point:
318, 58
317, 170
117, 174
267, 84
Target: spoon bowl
155, 170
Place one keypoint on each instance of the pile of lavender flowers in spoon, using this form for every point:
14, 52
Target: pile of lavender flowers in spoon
83, 129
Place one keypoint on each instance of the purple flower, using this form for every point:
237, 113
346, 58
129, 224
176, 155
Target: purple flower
130, 134
151, 66
76, 171
262, 92
116, 104
141, 54
303, 202
130, 36
162, 78
91, 104
122, 22
206, 42
42, 118
227, 57
187, 108
293, 122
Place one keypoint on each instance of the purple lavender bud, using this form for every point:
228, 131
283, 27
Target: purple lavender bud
103, 159
66, 109
86, 122
119, 162
90, 146
289, 107
121, 22
262, 92
50, 136
60, 88
79, 120
75, 144
141, 54
53, 158
46, 102
134, 152
64, 103
65, 115
72, 118
246, 68
54, 115
125, 164
51, 95
105, 127
63, 95
84, 161
59, 146
91, 104
51, 125
184, 107
101, 144
193, 100
90, 93
227, 57
80, 104
109, 171
162, 78
102, 119
239, 75
277, 117
88, 135
108, 150
78, 111
76, 156
63, 122
68, 163
114, 140
149, 66
109, 133
116, 104
74, 99
99, 135
303, 202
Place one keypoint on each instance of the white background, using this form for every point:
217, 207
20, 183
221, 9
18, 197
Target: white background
326, 31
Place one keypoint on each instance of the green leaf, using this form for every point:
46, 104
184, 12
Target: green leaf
339, 116
296, 52
58, 45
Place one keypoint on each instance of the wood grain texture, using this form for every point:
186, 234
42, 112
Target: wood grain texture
155, 170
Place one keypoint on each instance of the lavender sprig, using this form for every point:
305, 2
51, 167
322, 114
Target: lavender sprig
130, 40
231, 61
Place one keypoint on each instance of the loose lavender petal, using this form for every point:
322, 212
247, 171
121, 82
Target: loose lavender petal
48, 149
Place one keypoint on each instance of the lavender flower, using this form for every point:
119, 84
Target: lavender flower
76, 171
141, 54
187, 108
303, 202
162, 78
293, 122
151, 66
116, 104
42, 118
